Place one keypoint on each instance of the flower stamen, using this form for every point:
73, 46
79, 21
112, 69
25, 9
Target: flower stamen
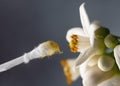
67, 71
74, 43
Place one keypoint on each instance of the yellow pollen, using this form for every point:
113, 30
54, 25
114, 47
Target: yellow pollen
67, 71
53, 46
74, 43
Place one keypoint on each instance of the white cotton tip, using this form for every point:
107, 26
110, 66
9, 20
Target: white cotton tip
48, 48
106, 63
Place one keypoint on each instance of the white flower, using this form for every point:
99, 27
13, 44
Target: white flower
84, 40
80, 39
89, 41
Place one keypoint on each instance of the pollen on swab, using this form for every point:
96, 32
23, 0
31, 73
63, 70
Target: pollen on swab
49, 48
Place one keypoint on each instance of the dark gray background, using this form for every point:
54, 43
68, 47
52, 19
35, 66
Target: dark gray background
26, 23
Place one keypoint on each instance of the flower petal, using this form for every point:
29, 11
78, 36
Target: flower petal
88, 54
84, 56
93, 76
117, 55
74, 31
114, 81
92, 62
83, 43
94, 26
84, 18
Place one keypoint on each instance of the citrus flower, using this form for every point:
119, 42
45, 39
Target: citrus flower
89, 41
97, 67
102, 69
80, 39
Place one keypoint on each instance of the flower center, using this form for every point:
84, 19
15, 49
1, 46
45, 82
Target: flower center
74, 43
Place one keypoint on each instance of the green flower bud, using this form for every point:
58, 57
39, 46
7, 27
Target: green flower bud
111, 41
101, 32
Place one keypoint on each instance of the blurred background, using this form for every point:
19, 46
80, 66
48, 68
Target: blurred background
26, 23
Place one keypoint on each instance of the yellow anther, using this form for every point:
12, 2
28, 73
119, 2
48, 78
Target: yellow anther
74, 43
67, 71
